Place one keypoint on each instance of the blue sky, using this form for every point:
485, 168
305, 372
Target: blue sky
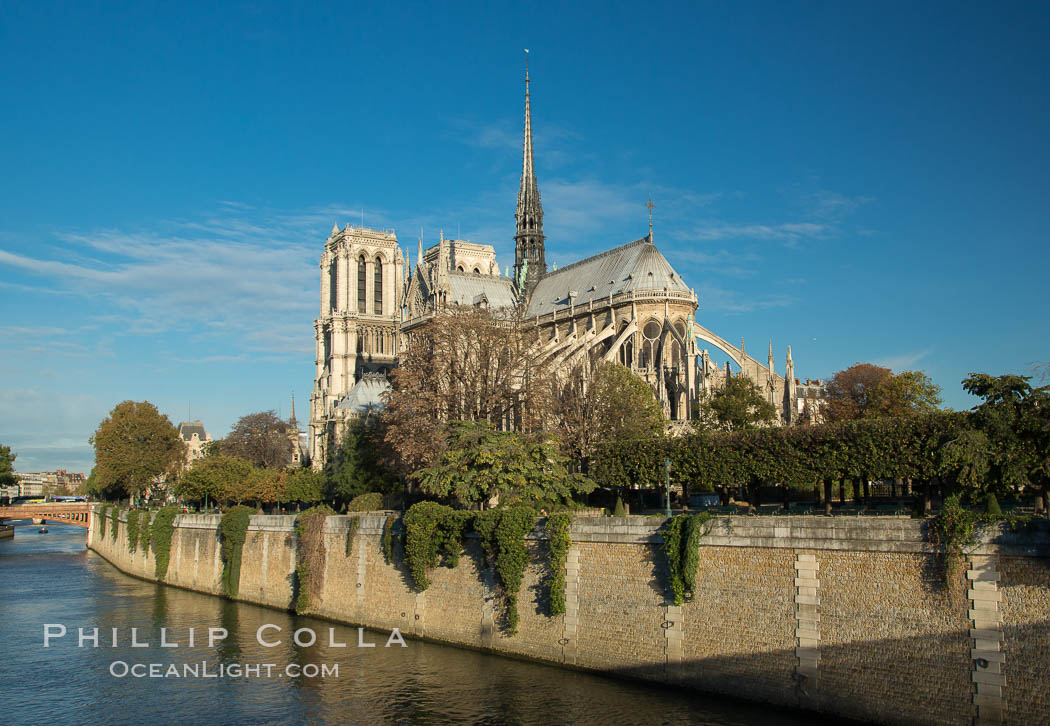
863, 181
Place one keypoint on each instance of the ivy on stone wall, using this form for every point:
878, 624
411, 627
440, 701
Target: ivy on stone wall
351, 530
103, 515
160, 538
310, 556
233, 529
503, 533
145, 525
681, 536
133, 530
388, 538
114, 522
558, 544
432, 531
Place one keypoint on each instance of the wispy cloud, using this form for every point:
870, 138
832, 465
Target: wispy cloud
250, 277
903, 361
786, 231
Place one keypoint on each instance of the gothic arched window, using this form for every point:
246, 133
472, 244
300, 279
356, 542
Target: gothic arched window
377, 302
362, 279
650, 344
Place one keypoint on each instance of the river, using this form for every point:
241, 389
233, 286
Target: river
53, 579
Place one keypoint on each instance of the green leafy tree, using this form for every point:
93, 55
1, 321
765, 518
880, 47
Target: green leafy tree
7, 471
481, 464
905, 394
304, 485
738, 406
218, 478
1015, 417
869, 391
134, 446
357, 467
612, 404
260, 438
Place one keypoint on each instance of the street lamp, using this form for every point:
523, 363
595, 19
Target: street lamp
667, 485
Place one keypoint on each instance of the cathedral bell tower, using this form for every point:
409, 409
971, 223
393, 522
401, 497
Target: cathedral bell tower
530, 259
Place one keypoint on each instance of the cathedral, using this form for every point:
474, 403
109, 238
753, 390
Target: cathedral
626, 304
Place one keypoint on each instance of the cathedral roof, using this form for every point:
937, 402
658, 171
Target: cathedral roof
632, 267
366, 395
466, 289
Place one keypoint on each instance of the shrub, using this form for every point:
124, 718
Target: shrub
991, 506
618, 510
160, 537
234, 530
371, 502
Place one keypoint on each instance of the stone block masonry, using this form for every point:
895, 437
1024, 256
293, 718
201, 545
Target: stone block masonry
843, 616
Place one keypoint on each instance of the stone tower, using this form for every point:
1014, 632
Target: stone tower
357, 331
529, 253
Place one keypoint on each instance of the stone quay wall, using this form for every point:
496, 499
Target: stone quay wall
846, 616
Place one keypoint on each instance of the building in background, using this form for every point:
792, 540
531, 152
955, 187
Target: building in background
48, 484
196, 439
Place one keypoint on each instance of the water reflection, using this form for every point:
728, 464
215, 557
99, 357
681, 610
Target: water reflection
53, 579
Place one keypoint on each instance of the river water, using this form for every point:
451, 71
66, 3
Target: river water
53, 579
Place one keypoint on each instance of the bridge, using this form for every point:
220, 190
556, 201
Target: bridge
78, 513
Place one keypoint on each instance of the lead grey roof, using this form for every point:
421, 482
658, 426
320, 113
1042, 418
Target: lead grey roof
465, 289
188, 428
634, 266
366, 395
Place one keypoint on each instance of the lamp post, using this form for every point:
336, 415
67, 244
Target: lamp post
667, 485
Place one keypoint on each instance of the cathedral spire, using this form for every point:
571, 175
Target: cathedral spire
529, 253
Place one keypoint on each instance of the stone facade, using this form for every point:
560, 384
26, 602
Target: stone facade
196, 440
357, 332
841, 616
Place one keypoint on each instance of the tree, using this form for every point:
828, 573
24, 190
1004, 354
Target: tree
904, 394
357, 466
738, 406
480, 464
303, 485
465, 364
850, 391
219, 478
868, 391
7, 469
260, 438
612, 404
1015, 418
134, 446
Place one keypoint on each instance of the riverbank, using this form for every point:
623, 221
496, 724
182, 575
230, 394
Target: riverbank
844, 616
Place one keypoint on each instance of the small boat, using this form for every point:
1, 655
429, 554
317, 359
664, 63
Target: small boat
43, 530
